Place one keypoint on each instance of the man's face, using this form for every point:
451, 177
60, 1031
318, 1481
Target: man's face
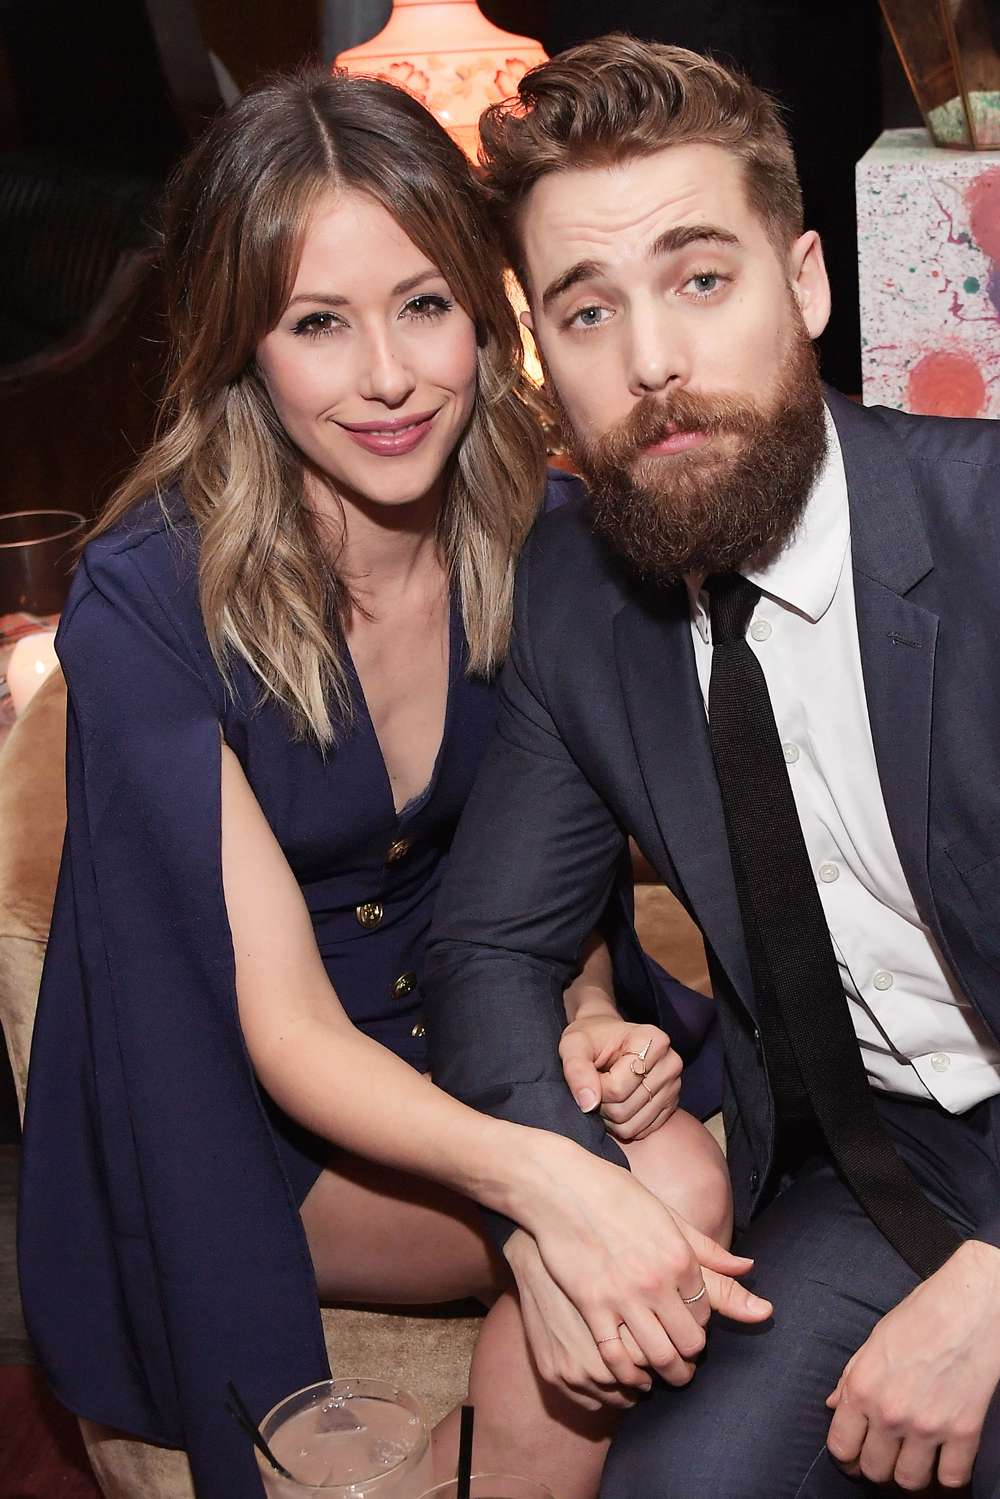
677, 340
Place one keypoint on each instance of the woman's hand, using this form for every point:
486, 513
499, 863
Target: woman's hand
643, 1280
562, 1349
631, 1070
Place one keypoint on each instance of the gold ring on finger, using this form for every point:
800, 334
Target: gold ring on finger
644, 1083
615, 1337
690, 1300
639, 1065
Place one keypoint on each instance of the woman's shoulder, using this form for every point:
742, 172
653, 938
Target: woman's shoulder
151, 552
156, 533
137, 579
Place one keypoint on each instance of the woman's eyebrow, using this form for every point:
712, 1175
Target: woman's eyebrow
334, 299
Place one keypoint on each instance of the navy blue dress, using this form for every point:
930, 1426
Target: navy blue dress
161, 1249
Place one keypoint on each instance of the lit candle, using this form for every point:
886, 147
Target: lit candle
30, 663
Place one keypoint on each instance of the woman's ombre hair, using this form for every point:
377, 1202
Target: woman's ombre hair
235, 219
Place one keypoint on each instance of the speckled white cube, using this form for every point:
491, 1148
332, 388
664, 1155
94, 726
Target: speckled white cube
929, 259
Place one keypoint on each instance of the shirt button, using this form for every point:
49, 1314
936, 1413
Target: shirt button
404, 985
419, 1031
397, 850
828, 873
883, 980
760, 630
940, 1061
754, 1180
790, 752
369, 914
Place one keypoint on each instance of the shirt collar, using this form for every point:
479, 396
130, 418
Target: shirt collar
805, 573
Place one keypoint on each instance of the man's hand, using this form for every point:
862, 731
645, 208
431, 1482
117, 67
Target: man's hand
631, 1070
916, 1393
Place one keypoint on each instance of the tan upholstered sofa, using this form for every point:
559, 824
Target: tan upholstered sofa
426, 1354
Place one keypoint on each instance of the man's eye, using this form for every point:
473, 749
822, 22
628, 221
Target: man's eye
589, 317
316, 324
706, 283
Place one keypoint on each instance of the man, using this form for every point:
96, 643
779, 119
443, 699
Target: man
764, 649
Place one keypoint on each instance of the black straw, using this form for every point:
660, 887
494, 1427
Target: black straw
236, 1406
465, 1452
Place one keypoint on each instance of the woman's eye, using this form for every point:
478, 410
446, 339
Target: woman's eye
316, 324
589, 317
428, 306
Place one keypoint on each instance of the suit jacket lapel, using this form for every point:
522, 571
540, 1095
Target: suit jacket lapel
898, 636
669, 730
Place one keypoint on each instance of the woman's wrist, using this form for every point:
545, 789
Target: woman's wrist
525, 1173
583, 1000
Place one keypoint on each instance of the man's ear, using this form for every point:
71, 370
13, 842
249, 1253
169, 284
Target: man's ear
809, 282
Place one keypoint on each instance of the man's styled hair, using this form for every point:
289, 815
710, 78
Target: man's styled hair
617, 98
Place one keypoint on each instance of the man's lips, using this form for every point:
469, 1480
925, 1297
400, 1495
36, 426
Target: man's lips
675, 442
391, 436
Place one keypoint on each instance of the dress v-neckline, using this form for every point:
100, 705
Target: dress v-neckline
414, 804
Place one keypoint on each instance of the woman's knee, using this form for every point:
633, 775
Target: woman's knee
684, 1166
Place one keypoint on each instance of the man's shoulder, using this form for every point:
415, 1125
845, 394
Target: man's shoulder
563, 540
944, 439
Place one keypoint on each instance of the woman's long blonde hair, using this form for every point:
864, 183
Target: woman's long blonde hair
234, 223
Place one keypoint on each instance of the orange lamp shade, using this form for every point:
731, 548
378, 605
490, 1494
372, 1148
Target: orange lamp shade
448, 55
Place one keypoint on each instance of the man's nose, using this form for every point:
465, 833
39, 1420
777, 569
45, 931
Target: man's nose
386, 375
657, 355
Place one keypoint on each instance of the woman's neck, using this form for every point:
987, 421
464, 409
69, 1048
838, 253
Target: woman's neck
381, 552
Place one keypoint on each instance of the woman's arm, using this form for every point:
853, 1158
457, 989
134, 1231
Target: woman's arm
309, 1056
611, 1246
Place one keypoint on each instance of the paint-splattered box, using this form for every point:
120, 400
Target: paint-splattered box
929, 256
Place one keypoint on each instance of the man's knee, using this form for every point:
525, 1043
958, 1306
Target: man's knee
662, 1452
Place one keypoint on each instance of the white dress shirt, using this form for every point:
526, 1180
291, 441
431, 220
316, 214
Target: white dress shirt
919, 1035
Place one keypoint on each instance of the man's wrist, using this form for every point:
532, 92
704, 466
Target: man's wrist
981, 1259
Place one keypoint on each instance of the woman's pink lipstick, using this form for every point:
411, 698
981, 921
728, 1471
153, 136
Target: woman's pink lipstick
392, 437
676, 442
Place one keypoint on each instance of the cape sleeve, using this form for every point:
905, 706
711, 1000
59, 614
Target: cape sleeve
146, 1145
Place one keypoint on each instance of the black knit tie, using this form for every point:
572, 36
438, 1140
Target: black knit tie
813, 1058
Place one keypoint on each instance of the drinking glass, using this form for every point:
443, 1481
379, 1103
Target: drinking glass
491, 1486
347, 1439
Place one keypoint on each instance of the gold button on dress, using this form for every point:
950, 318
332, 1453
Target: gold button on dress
404, 985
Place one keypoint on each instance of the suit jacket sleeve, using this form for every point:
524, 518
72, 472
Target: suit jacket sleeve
528, 878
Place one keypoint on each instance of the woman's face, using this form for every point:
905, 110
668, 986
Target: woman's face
372, 365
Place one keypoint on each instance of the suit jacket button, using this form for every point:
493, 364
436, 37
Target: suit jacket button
754, 1180
397, 850
419, 1031
404, 985
369, 914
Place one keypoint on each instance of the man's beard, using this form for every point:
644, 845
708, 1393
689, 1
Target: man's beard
706, 510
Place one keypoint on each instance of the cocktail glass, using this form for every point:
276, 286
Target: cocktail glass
491, 1486
347, 1439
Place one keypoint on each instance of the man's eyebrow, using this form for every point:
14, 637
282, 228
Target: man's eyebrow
667, 243
583, 270
333, 299
682, 235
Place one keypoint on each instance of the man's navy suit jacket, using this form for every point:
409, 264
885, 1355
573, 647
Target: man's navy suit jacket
603, 733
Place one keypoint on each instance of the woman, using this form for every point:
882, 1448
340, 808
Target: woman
280, 672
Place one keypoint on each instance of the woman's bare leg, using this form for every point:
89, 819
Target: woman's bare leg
382, 1236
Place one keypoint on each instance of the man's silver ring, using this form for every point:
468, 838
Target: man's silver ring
690, 1300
